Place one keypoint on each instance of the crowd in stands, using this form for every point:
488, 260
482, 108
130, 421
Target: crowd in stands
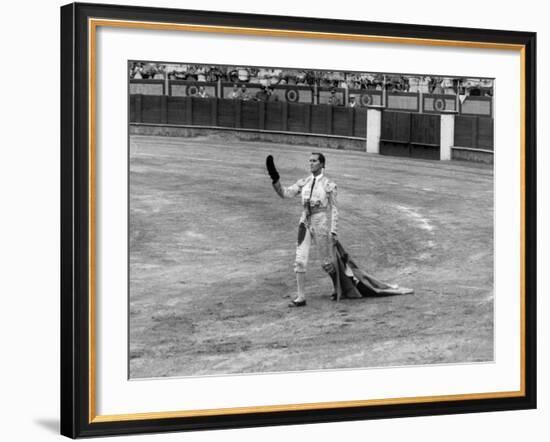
264, 94
270, 77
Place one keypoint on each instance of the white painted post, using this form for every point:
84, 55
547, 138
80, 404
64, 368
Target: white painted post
447, 134
374, 128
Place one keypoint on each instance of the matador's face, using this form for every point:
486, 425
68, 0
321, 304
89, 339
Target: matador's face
315, 165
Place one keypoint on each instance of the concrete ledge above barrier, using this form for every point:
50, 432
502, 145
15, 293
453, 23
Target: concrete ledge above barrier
293, 138
469, 154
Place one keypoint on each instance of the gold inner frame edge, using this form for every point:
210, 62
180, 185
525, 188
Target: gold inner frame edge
93, 23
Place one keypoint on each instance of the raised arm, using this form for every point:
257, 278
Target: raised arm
283, 192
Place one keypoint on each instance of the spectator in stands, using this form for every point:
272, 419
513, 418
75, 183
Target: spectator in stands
310, 79
447, 85
263, 76
232, 75
437, 88
290, 79
213, 74
180, 72
414, 84
394, 84
275, 76
202, 92
200, 72
235, 93
138, 68
134, 71
243, 75
352, 103
160, 73
324, 81
301, 79
149, 71
190, 75
432, 84
354, 82
333, 100
262, 94
368, 82
169, 71
243, 93
424, 85
272, 96
253, 75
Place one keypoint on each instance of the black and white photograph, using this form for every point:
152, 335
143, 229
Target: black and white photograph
274, 221
289, 219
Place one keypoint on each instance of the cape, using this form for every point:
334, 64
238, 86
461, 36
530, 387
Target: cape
352, 282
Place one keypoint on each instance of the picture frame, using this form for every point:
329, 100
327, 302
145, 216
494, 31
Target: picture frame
79, 240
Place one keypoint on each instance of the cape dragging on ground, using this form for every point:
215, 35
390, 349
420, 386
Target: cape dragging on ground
356, 283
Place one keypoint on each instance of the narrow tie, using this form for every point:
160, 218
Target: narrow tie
312, 186
309, 199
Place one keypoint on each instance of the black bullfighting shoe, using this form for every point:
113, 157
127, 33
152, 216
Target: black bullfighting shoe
297, 303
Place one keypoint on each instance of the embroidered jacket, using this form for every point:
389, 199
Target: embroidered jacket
322, 199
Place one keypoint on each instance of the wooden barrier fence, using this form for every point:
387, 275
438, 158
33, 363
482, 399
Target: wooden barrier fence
255, 115
410, 135
474, 132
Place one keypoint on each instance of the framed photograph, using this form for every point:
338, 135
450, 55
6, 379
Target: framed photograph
273, 220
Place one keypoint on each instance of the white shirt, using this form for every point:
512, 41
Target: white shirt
323, 196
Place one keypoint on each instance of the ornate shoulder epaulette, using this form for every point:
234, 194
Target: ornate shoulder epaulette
330, 186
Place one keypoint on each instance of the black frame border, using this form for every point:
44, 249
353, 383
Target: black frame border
75, 400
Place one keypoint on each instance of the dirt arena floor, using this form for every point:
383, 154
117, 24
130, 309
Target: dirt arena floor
212, 251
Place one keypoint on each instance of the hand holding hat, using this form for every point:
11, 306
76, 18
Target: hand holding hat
271, 169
